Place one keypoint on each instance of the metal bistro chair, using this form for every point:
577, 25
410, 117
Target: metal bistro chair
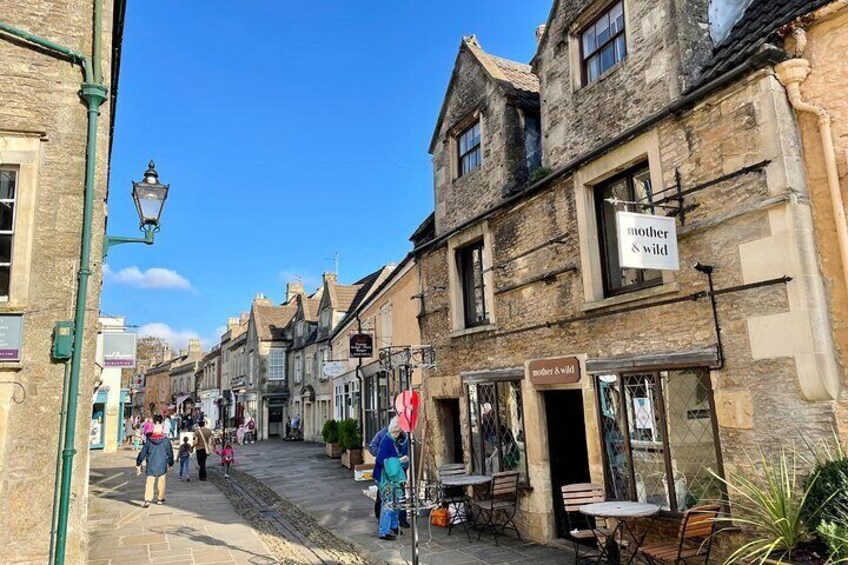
694, 540
503, 503
573, 497
452, 496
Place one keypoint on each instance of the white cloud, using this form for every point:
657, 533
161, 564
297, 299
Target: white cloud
154, 277
178, 338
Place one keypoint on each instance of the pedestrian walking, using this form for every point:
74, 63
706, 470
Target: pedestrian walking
240, 435
202, 446
147, 427
288, 427
185, 459
158, 456
251, 430
128, 431
228, 457
166, 426
374, 449
389, 471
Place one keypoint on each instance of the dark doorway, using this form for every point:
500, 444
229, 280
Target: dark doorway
275, 420
448, 414
569, 456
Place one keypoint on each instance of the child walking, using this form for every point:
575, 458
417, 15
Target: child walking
227, 458
185, 457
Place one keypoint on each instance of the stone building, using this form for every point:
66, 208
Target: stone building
234, 366
43, 141
183, 375
111, 397
157, 389
387, 312
564, 365
208, 379
266, 344
302, 361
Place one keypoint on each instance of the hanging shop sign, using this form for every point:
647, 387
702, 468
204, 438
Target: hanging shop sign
647, 242
333, 369
361, 346
119, 350
10, 338
554, 371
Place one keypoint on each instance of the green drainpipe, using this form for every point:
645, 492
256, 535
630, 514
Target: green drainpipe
93, 93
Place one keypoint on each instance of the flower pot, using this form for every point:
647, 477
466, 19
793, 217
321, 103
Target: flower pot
352, 457
333, 450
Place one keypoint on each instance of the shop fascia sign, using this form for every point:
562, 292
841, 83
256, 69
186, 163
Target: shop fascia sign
554, 371
11, 330
646, 241
119, 350
333, 369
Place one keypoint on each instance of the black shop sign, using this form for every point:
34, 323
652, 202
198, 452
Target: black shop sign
361, 345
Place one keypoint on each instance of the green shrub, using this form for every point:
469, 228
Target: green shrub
770, 503
828, 484
835, 536
349, 436
330, 433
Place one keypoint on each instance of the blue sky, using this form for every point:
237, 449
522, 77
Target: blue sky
289, 131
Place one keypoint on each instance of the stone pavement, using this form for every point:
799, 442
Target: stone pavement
198, 525
300, 473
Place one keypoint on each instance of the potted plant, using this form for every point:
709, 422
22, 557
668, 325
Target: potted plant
351, 443
330, 433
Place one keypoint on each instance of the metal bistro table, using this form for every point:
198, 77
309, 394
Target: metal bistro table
474, 481
622, 512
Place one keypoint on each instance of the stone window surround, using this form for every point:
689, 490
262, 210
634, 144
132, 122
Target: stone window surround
470, 235
453, 133
575, 50
644, 147
21, 152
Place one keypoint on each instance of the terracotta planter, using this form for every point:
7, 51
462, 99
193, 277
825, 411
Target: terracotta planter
332, 450
352, 457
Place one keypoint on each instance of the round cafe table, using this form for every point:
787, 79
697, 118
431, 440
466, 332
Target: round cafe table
622, 512
474, 481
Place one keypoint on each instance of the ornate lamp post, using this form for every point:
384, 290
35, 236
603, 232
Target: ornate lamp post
149, 196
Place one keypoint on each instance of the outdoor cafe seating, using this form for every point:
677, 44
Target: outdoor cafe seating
497, 512
581, 529
694, 540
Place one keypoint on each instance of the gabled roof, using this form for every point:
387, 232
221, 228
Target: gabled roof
516, 80
271, 321
339, 296
756, 27
307, 306
368, 285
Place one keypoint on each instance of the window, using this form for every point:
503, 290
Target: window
468, 143
299, 328
631, 186
298, 368
380, 391
251, 367
385, 336
470, 266
326, 317
602, 43
532, 142
659, 437
497, 428
277, 364
340, 401
8, 189
310, 362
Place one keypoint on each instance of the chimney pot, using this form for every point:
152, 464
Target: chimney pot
330, 277
292, 290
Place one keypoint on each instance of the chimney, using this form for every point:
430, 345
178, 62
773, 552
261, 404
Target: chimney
243, 318
183, 353
261, 300
331, 278
232, 323
194, 346
540, 31
293, 289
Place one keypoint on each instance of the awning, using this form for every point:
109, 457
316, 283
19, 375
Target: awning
183, 398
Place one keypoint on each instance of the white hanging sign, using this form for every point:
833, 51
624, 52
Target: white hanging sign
647, 242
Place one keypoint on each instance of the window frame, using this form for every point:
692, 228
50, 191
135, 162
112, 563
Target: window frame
477, 460
279, 364
298, 368
464, 265
476, 148
660, 399
10, 232
602, 227
584, 58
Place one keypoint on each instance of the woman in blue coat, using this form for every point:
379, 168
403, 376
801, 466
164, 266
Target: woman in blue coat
391, 477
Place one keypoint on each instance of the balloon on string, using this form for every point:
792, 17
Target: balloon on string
407, 405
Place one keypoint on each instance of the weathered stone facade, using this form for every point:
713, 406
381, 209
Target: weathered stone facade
43, 127
543, 275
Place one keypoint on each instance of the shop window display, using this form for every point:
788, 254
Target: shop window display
659, 437
497, 428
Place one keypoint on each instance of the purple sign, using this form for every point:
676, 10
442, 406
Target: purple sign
119, 350
11, 330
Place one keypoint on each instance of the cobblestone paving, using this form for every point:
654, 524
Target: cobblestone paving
294, 536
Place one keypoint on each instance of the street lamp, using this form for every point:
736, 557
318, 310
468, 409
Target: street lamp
149, 196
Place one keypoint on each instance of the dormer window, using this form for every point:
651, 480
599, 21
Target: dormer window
325, 317
470, 157
299, 328
602, 43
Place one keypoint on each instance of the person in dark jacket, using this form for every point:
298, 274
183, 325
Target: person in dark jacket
159, 456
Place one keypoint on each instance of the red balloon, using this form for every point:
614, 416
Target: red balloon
407, 405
